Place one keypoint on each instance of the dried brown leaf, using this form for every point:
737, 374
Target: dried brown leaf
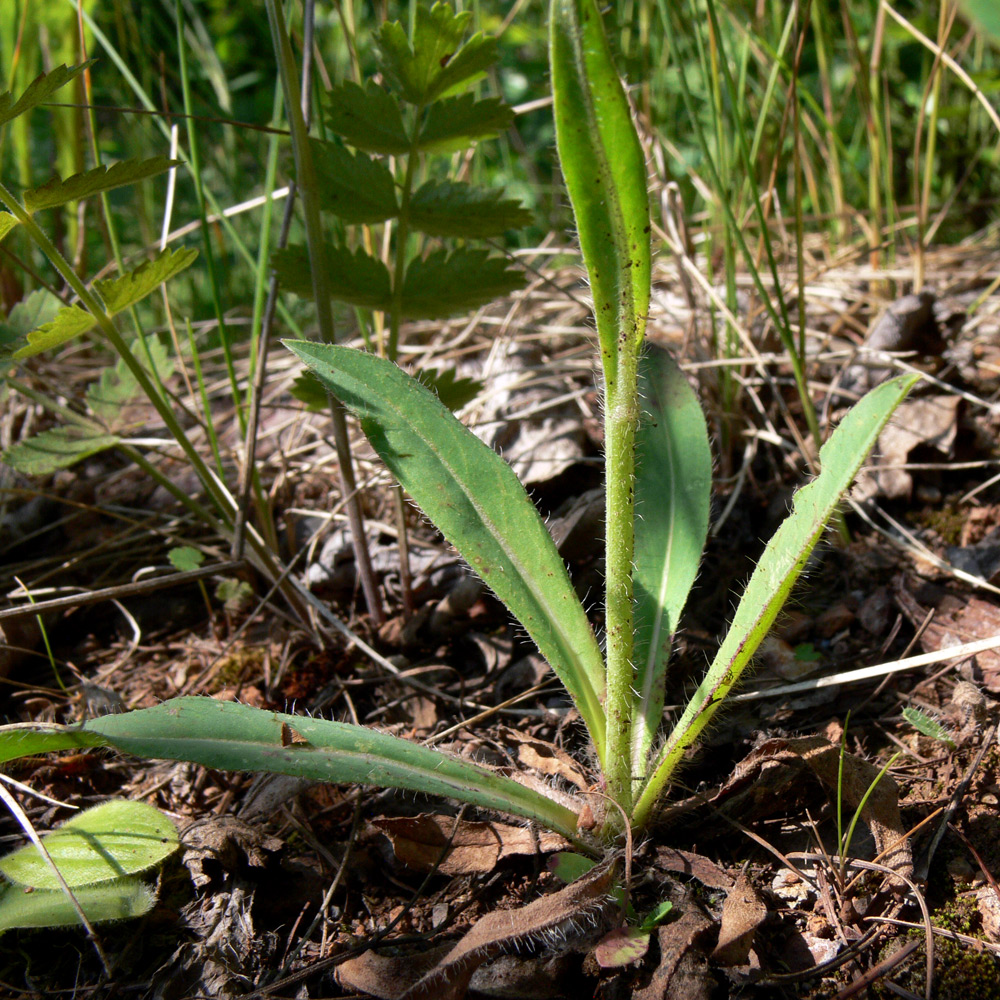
742, 913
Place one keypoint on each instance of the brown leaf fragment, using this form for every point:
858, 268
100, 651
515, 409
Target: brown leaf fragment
518, 978
475, 848
688, 863
546, 758
583, 903
683, 969
386, 976
742, 913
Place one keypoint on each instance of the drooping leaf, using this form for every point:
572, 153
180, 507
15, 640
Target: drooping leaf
234, 737
125, 291
605, 171
443, 283
777, 571
672, 492
357, 189
368, 118
476, 501
7, 223
448, 208
354, 277
437, 61
90, 182
118, 386
456, 122
453, 390
70, 322
58, 448
121, 899
40, 89
112, 840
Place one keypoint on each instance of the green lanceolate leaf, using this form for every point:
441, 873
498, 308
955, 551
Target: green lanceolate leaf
456, 122
58, 448
121, 899
70, 322
672, 493
58, 191
448, 208
477, 502
368, 118
107, 842
779, 567
356, 188
605, 171
353, 277
437, 61
133, 286
40, 89
118, 386
443, 283
234, 737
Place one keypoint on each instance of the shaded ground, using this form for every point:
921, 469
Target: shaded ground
282, 889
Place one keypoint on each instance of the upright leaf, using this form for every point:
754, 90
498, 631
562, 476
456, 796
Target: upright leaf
368, 118
355, 188
455, 122
39, 90
443, 283
672, 494
783, 560
449, 208
83, 185
437, 61
477, 502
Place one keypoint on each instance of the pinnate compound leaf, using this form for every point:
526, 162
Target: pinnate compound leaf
777, 571
58, 191
118, 838
673, 492
125, 291
354, 277
40, 89
455, 122
355, 188
476, 501
7, 223
118, 386
447, 208
58, 448
70, 322
437, 62
121, 899
368, 118
443, 283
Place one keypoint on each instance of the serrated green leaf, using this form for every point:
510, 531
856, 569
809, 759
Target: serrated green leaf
90, 182
7, 223
308, 389
368, 118
449, 208
673, 492
121, 899
234, 593
70, 322
356, 188
38, 308
58, 448
453, 390
40, 89
437, 62
456, 122
118, 386
478, 504
354, 277
186, 558
112, 840
443, 283
125, 291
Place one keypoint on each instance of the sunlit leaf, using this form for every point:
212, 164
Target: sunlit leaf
36, 309
357, 189
117, 838
449, 208
58, 448
70, 322
7, 223
455, 122
354, 277
443, 283
58, 191
39, 90
122, 292
368, 118
621, 947
121, 899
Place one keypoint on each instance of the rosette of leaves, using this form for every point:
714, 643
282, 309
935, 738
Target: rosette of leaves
378, 169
